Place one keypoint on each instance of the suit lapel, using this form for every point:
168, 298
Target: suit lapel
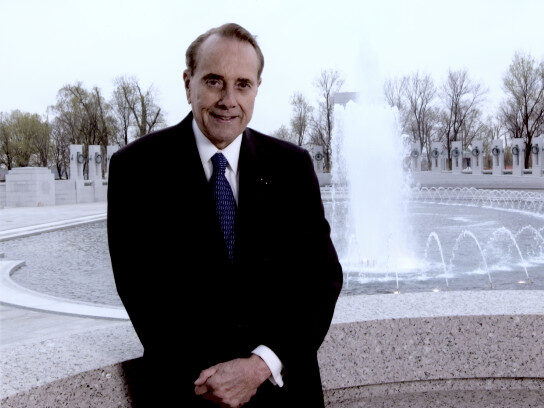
252, 186
189, 152
197, 209
249, 172
253, 183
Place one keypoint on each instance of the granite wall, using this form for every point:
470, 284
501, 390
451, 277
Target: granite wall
455, 349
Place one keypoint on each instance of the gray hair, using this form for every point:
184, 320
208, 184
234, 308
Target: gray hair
230, 30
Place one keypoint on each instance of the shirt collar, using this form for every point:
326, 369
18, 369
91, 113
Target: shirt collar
207, 149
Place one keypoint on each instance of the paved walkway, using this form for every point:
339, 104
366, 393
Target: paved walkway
27, 324
17, 222
22, 326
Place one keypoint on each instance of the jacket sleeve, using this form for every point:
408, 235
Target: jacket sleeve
125, 243
308, 301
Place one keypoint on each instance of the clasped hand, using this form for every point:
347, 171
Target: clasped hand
232, 383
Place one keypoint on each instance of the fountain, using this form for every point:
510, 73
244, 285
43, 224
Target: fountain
382, 228
369, 244
458, 250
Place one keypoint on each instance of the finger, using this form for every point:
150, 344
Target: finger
204, 375
201, 389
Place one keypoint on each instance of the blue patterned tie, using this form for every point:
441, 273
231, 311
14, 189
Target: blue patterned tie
225, 206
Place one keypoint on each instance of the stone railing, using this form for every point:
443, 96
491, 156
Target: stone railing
531, 201
451, 349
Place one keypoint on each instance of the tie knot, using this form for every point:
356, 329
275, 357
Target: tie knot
219, 163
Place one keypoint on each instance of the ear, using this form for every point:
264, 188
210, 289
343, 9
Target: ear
258, 85
187, 81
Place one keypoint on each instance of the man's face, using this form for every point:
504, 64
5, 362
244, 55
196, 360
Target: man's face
223, 87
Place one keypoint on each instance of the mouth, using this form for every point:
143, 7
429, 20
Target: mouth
223, 118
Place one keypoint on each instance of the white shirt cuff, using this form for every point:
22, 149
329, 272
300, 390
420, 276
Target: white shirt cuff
273, 363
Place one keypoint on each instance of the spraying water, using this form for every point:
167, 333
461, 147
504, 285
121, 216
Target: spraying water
370, 228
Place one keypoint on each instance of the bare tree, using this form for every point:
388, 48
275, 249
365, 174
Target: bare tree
283, 133
84, 117
123, 113
510, 115
414, 96
70, 113
85, 114
461, 98
129, 97
523, 109
60, 146
328, 83
302, 115
472, 128
394, 91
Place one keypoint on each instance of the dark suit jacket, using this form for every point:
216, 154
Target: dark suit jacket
191, 307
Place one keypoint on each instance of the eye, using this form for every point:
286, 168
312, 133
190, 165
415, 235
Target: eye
214, 83
244, 85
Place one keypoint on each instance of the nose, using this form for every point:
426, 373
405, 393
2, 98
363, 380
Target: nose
227, 100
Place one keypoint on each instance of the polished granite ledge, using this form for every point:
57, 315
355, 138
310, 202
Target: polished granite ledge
114, 386
421, 349
30, 364
422, 337
466, 393
408, 350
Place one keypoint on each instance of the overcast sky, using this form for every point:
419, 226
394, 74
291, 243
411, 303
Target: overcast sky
47, 44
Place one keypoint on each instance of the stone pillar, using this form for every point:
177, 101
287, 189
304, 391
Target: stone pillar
30, 187
76, 162
110, 150
95, 163
444, 158
537, 155
415, 157
437, 162
518, 157
318, 159
477, 157
457, 157
497, 151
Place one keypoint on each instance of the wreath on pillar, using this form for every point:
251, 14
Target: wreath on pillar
515, 150
455, 152
535, 149
97, 158
475, 152
80, 158
495, 151
435, 153
414, 154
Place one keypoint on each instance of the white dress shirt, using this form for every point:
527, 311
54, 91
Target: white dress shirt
206, 150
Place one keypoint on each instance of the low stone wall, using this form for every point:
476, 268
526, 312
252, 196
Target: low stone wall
2, 194
84, 191
80, 191
65, 192
30, 187
35, 186
458, 349
487, 181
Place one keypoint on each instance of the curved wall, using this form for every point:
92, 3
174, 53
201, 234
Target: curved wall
459, 349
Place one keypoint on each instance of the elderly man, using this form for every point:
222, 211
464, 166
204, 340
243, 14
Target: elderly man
222, 254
